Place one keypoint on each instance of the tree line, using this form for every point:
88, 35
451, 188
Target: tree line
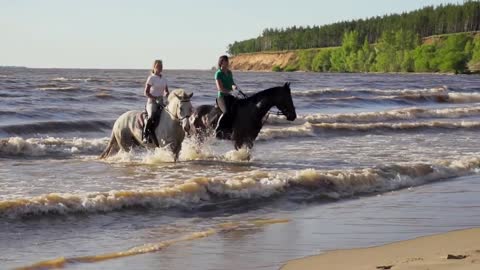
428, 21
395, 51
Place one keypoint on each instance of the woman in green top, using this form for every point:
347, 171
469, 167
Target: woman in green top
225, 99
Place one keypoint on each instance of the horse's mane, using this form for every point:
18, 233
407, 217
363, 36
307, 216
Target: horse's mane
261, 94
177, 92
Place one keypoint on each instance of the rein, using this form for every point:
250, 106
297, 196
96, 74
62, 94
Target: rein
278, 113
165, 108
270, 112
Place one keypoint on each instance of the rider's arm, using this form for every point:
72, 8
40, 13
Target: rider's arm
147, 91
166, 92
234, 85
220, 86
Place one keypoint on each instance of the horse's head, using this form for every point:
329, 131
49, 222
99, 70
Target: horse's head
183, 107
284, 102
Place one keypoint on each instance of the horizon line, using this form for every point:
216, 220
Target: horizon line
93, 68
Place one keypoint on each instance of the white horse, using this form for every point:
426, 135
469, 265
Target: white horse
127, 132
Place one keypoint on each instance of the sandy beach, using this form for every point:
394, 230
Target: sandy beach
452, 250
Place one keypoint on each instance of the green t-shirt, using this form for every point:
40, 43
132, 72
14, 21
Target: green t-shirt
226, 79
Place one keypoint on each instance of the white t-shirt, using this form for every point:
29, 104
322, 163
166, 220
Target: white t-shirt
159, 84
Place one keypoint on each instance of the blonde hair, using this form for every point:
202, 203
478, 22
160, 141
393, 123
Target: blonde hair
155, 63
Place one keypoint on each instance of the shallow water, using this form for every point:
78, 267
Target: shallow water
370, 159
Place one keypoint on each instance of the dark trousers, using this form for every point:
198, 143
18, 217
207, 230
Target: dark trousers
226, 103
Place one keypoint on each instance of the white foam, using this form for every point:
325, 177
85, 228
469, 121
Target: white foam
315, 92
18, 146
305, 130
60, 88
158, 156
63, 79
192, 150
390, 115
242, 154
15, 146
379, 92
398, 126
464, 97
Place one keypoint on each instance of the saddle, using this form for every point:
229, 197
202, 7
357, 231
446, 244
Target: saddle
142, 118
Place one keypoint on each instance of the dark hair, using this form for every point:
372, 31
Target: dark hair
221, 59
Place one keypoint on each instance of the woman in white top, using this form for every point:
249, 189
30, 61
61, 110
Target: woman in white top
156, 88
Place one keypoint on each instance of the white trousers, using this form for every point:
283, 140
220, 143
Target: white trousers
153, 105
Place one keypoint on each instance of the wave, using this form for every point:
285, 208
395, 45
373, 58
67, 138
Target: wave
60, 88
58, 127
63, 79
297, 185
305, 130
154, 247
8, 112
50, 146
104, 95
17, 146
396, 126
339, 92
437, 95
390, 115
464, 97
312, 130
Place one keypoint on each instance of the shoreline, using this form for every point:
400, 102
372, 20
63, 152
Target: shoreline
375, 73
459, 249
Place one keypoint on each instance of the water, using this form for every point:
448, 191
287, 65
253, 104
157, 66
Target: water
370, 159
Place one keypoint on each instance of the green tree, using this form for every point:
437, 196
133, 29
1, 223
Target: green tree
451, 55
305, 59
386, 60
424, 58
408, 62
474, 63
321, 61
365, 57
338, 60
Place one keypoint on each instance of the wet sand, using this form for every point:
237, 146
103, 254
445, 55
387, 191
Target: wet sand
452, 250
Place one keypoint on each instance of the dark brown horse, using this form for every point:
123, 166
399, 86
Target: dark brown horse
248, 116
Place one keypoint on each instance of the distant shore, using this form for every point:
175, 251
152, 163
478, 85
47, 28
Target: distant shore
386, 73
452, 250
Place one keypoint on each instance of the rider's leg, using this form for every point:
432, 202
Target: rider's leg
155, 120
147, 131
223, 129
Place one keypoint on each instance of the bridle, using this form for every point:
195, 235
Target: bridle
277, 113
174, 116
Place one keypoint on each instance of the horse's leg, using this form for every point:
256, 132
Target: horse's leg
112, 147
175, 150
126, 140
238, 143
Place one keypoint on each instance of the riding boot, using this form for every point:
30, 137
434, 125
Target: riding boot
223, 130
147, 131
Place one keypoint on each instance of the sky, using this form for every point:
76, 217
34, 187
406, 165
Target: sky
185, 34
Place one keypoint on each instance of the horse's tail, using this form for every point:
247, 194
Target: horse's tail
112, 147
